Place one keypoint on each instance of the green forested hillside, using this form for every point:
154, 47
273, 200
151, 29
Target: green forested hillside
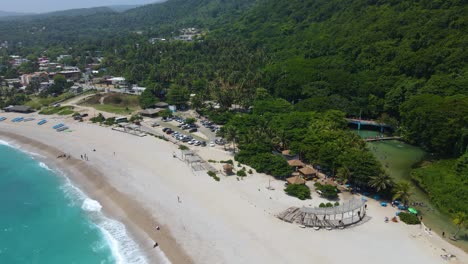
366, 55
101, 25
363, 57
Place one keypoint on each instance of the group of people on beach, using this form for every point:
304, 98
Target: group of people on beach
84, 157
64, 156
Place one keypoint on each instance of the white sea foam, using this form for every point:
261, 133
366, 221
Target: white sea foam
2, 142
91, 205
11, 145
123, 248
44, 166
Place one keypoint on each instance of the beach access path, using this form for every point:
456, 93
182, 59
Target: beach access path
231, 221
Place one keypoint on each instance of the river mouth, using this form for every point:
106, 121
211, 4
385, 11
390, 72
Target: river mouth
398, 158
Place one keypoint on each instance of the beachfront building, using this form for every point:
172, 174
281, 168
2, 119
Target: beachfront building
297, 164
308, 172
18, 109
161, 105
296, 180
345, 214
150, 112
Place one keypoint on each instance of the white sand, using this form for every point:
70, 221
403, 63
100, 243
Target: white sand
231, 221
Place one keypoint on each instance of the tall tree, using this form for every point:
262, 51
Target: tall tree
402, 192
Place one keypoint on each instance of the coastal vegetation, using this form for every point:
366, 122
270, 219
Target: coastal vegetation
300, 191
328, 191
60, 110
409, 218
293, 69
445, 183
113, 103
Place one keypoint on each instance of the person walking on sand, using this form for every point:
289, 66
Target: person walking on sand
155, 244
157, 228
178, 199
82, 156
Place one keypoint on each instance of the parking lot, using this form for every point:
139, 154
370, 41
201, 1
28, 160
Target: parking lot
199, 133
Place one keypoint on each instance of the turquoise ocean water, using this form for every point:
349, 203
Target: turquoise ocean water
45, 219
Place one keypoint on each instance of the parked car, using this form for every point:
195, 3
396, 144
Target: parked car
203, 143
155, 124
165, 129
212, 144
193, 130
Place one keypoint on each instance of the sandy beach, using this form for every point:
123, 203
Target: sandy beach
139, 182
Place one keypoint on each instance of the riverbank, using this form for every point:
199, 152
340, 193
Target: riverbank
400, 159
230, 221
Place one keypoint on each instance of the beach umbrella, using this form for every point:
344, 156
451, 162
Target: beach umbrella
412, 210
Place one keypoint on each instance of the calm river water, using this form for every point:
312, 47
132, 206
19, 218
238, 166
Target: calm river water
398, 159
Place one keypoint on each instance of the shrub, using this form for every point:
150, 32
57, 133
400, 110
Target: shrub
322, 205
241, 173
98, 119
265, 163
250, 171
329, 205
336, 204
190, 121
228, 161
213, 175
109, 121
409, 218
183, 147
328, 191
212, 161
298, 190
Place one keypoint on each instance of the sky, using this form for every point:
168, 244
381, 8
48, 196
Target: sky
41, 6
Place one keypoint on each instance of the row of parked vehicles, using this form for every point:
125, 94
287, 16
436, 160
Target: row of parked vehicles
210, 125
188, 139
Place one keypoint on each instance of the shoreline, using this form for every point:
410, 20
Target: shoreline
230, 221
116, 205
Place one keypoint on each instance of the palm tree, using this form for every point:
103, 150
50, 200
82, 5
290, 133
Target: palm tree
460, 219
232, 135
344, 174
381, 181
403, 192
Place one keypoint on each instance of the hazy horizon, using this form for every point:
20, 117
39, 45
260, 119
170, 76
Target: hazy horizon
34, 6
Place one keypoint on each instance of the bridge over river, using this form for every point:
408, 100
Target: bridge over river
373, 123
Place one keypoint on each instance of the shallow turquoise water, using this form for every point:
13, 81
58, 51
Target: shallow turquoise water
45, 219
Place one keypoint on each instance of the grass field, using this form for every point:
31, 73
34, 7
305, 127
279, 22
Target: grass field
61, 110
114, 103
38, 102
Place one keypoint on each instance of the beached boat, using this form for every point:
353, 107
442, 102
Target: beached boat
60, 129
58, 126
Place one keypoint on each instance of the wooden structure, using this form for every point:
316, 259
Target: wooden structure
296, 180
296, 163
346, 214
308, 172
227, 168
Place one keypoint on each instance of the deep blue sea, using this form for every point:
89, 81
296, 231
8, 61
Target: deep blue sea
45, 219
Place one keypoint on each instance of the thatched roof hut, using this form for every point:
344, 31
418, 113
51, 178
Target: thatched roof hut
296, 163
227, 168
308, 172
296, 180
